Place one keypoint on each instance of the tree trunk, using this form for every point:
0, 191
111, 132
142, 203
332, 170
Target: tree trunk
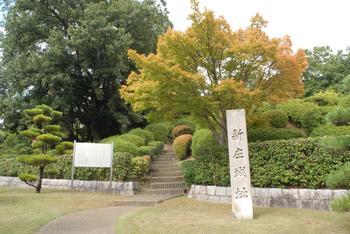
41, 176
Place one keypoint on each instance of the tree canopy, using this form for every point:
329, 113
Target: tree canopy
210, 68
327, 70
72, 55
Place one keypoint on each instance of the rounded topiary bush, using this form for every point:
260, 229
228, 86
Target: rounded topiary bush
121, 146
145, 134
182, 146
138, 141
181, 130
159, 130
312, 118
158, 145
140, 167
147, 150
277, 118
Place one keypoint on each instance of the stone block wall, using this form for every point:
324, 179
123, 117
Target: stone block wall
122, 188
317, 199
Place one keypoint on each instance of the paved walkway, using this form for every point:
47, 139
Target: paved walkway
94, 221
166, 182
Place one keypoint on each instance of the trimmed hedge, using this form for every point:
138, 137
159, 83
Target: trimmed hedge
122, 168
300, 163
211, 160
189, 171
181, 130
159, 130
146, 135
330, 130
266, 134
277, 118
182, 146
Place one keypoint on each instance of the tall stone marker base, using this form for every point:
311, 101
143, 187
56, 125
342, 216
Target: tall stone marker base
242, 204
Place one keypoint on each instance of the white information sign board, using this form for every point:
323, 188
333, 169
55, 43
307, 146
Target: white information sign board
93, 155
242, 205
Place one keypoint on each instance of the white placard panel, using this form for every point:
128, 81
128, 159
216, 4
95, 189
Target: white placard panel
93, 155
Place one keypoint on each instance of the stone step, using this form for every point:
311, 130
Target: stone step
162, 157
166, 174
165, 191
167, 185
163, 162
167, 179
169, 169
136, 203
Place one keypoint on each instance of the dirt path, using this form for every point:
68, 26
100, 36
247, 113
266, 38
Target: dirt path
94, 221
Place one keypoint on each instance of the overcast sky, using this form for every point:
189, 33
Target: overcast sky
309, 22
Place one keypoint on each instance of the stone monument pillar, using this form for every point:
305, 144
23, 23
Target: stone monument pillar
242, 205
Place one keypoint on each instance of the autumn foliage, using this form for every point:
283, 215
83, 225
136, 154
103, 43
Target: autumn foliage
210, 68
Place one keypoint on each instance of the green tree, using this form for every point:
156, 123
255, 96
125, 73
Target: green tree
326, 70
210, 69
44, 135
72, 55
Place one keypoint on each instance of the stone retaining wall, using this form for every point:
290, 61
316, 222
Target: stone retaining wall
122, 188
317, 199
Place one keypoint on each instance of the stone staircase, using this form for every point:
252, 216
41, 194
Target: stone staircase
166, 182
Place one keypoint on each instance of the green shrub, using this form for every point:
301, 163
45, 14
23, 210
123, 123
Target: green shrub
158, 145
266, 134
16, 144
300, 163
189, 172
341, 204
293, 163
296, 108
140, 167
2, 136
182, 146
181, 130
138, 141
146, 135
277, 118
211, 159
121, 146
327, 98
339, 179
339, 117
330, 130
336, 142
121, 167
312, 118
159, 130
146, 150
345, 101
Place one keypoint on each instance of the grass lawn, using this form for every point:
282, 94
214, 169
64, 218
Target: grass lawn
182, 215
23, 210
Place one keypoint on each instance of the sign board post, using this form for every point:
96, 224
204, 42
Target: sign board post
92, 155
242, 205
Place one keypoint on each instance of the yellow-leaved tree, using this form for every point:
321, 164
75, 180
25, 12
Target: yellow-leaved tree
209, 69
